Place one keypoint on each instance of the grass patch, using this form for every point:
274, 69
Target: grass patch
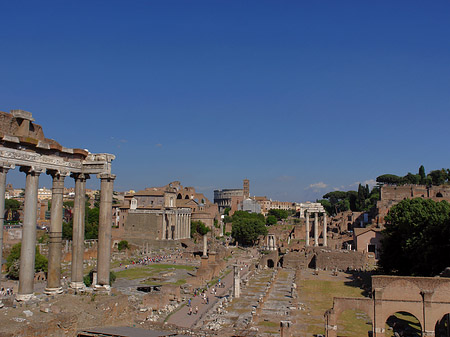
318, 295
268, 324
354, 323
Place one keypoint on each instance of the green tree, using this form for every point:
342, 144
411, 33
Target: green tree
327, 205
12, 261
271, 220
422, 174
247, 227
391, 179
416, 239
280, 214
12, 204
123, 245
438, 177
198, 227
227, 211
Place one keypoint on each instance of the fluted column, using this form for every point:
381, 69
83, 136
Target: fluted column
316, 229
3, 172
78, 230
307, 228
55, 235
104, 229
28, 248
325, 243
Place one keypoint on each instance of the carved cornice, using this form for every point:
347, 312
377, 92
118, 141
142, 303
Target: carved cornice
95, 163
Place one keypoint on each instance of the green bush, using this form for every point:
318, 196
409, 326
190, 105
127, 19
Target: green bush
13, 261
123, 245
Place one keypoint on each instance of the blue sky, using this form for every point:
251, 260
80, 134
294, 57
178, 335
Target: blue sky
300, 97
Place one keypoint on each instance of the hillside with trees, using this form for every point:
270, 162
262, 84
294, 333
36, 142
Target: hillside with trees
362, 200
435, 177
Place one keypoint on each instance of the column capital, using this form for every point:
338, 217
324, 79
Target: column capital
5, 166
57, 173
31, 170
80, 176
107, 176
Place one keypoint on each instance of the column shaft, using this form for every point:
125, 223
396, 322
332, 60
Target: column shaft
325, 243
28, 249
307, 228
104, 229
78, 231
316, 229
55, 236
205, 245
3, 172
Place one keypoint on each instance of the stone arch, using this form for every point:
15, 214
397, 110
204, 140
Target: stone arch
186, 196
442, 326
179, 196
404, 323
270, 263
439, 195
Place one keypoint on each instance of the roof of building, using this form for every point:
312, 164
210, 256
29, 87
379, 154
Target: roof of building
359, 231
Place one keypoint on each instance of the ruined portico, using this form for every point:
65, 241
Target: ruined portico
314, 208
23, 145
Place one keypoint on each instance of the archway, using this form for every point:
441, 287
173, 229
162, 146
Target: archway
439, 195
186, 197
354, 323
442, 328
179, 196
403, 324
270, 263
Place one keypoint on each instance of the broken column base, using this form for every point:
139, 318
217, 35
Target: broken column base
24, 297
77, 286
204, 262
102, 289
53, 291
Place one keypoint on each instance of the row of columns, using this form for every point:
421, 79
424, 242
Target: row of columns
316, 229
180, 223
28, 247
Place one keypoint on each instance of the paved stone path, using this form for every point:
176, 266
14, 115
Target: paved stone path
182, 318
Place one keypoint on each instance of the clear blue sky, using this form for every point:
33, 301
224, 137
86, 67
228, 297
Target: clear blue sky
300, 97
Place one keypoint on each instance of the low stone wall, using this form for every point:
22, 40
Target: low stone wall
325, 259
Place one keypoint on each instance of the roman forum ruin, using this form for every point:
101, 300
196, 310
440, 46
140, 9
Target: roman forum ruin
24, 146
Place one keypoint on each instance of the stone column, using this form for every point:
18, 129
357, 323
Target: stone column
205, 245
28, 249
3, 172
55, 235
285, 329
307, 228
316, 229
78, 231
164, 226
325, 243
236, 282
104, 229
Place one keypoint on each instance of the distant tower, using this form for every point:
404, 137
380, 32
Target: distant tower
246, 189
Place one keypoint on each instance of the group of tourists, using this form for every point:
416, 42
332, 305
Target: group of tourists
6, 292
